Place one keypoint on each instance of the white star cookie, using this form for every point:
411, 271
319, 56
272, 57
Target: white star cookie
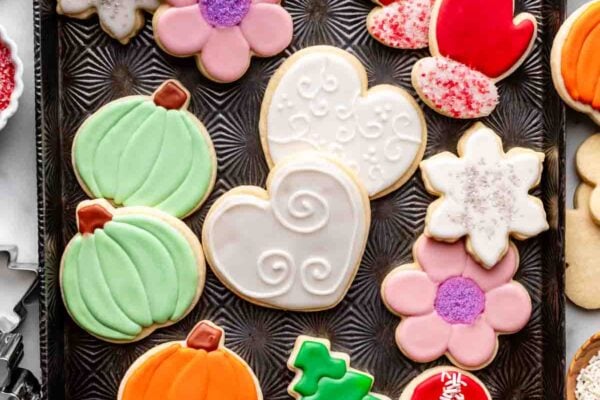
484, 194
121, 19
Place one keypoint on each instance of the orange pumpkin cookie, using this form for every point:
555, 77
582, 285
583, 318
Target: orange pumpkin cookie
576, 60
199, 368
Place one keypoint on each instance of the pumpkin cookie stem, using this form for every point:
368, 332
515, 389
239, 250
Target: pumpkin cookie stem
205, 336
172, 96
92, 217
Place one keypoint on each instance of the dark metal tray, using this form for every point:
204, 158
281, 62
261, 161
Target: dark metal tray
79, 68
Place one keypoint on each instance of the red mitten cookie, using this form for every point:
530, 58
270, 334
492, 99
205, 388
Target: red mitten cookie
474, 44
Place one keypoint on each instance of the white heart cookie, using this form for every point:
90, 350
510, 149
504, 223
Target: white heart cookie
296, 246
318, 101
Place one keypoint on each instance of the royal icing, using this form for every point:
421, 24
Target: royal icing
200, 367
402, 24
121, 18
223, 34
319, 102
484, 194
11, 84
455, 89
474, 44
295, 247
126, 272
579, 61
450, 305
147, 151
323, 375
446, 383
484, 35
588, 380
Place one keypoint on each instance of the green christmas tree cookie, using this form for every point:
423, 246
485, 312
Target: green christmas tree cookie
322, 375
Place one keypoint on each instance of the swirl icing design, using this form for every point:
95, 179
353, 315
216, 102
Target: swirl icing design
319, 102
127, 273
148, 152
295, 247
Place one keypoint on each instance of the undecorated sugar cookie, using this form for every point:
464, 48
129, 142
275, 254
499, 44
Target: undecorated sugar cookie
450, 305
473, 44
582, 252
147, 151
121, 19
324, 375
445, 383
199, 368
130, 271
587, 161
319, 101
297, 245
575, 60
402, 24
223, 35
484, 194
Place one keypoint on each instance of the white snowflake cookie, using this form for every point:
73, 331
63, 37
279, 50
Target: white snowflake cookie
484, 195
121, 19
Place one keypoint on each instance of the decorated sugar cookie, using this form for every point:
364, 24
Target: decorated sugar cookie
450, 305
223, 35
121, 19
297, 245
484, 194
582, 237
588, 168
129, 271
445, 383
147, 151
575, 60
199, 368
473, 44
402, 24
319, 101
324, 375
11, 83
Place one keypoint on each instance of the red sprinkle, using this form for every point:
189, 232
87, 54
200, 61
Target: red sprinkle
7, 76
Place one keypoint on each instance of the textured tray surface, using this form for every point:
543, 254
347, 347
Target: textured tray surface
79, 69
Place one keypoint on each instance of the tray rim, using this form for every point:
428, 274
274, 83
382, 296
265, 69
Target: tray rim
550, 372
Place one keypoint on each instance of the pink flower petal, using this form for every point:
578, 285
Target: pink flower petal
423, 338
268, 29
182, 31
473, 346
508, 308
440, 260
226, 55
501, 273
409, 292
182, 3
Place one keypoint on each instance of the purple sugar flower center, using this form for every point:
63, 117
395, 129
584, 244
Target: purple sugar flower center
224, 13
459, 301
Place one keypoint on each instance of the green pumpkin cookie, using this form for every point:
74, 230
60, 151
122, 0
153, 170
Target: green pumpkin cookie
147, 151
130, 271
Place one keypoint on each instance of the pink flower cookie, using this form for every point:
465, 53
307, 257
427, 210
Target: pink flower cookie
223, 35
450, 305
473, 44
402, 24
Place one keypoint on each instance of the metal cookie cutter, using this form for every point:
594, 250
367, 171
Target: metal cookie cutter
16, 282
15, 383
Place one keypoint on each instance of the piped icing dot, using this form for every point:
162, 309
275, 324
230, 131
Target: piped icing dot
224, 13
459, 300
7, 76
455, 89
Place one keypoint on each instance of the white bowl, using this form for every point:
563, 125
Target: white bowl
18, 90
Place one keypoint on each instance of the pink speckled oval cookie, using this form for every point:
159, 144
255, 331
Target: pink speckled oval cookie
402, 24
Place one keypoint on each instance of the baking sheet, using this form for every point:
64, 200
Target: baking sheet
79, 69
